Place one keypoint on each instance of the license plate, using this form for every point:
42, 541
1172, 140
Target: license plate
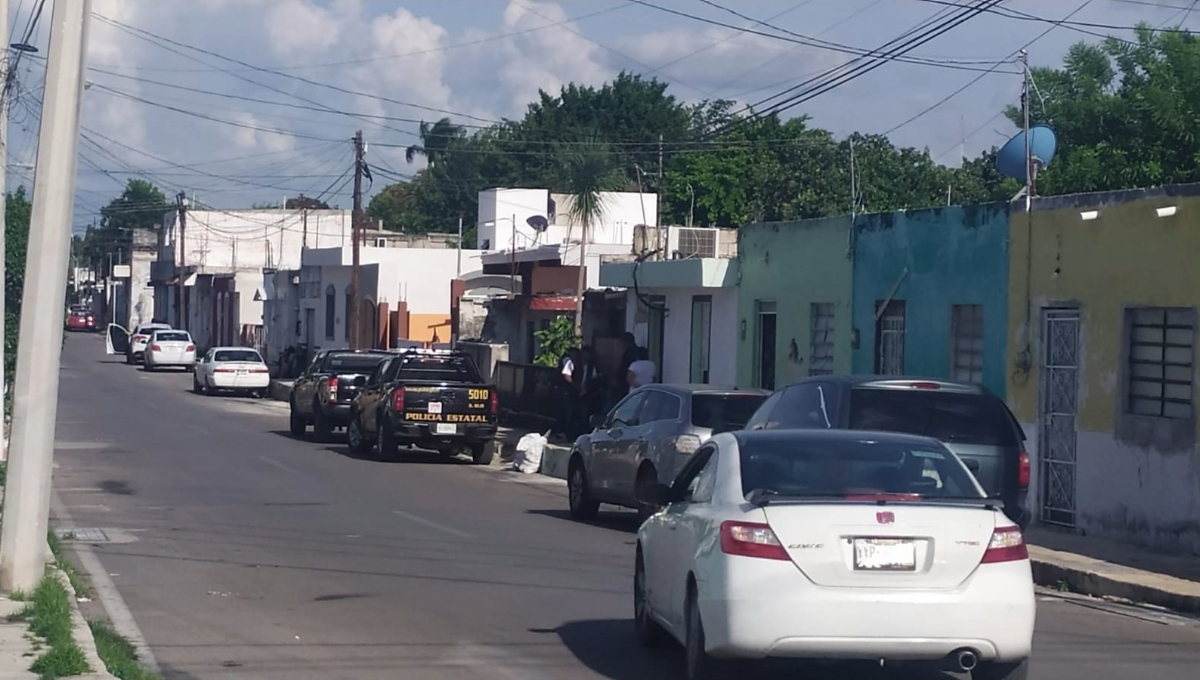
243, 372
435, 407
884, 554
445, 428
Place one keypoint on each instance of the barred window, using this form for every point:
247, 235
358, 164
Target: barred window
820, 358
1161, 346
966, 343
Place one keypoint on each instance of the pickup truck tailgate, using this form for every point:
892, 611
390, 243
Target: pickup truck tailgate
447, 403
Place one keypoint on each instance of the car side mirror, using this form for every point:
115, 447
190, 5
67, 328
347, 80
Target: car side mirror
598, 421
360, 381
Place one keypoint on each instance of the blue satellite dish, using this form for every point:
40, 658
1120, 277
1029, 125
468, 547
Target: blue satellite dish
1010, 160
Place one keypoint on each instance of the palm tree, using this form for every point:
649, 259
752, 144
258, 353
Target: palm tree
589, 171
435, 140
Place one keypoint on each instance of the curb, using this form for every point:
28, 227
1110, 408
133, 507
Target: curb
554, 461
1051, 572
281, 390
79, 628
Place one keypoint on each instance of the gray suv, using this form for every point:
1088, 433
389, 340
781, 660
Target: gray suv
645, 440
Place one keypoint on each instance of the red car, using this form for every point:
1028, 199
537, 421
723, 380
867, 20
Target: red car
81, 319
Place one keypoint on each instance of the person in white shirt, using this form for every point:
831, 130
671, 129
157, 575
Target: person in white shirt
642, 370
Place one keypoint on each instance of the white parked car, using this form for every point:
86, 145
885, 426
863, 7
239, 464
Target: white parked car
828, 545
232, 369
169, 348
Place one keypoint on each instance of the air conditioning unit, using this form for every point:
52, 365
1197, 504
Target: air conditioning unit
693, 242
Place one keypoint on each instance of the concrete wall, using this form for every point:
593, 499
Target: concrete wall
677, 332
940, 258
1135, 477
226, 240
499, 209
794, 265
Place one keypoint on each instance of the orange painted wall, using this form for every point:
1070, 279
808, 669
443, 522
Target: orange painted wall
422, 327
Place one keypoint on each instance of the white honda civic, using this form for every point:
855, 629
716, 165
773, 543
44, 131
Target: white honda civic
834, 545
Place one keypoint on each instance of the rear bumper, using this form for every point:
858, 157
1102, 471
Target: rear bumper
232, 381
338, 414
184, 359
763, 608
425, 435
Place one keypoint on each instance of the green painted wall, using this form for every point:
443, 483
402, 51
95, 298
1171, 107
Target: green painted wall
794, 265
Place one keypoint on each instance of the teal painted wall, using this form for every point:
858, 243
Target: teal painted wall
794, 265
954, 256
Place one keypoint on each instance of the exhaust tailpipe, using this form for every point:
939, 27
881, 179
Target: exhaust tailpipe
966, 660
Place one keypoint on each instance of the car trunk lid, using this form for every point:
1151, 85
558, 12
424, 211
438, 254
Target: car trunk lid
848, 544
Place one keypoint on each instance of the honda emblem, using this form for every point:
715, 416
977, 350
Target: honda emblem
885, 517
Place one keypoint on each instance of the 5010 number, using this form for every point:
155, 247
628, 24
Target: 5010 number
478, 395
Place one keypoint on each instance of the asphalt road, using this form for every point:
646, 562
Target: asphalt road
244, 553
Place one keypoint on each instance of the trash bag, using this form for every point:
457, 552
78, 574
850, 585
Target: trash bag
528, 459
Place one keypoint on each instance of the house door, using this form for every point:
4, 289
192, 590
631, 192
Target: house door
764, 354
1056, 414
654, 332
889, 338
701, 337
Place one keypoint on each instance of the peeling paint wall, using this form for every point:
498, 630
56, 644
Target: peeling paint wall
1136, 478
932, 260
794, 265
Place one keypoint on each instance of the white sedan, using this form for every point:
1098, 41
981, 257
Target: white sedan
827, 545
169, 348
232, 369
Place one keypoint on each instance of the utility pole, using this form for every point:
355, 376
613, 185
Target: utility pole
581, 282
35, 393
355, 238
4, 77
658, 201
180, 201
1028, 153
458, 269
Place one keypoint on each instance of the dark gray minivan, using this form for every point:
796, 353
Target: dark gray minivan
969, 419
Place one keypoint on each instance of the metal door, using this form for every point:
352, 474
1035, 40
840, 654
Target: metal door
1058, 406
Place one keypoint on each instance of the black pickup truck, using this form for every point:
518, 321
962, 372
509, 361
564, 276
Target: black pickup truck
426, 399
322, 395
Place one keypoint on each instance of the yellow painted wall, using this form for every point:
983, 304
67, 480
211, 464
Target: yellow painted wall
422, 327
1126, 257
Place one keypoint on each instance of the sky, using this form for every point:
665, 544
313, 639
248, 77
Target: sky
243, 102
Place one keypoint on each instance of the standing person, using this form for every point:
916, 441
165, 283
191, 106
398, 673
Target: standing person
584, 381
628, 356
642, 370
567, 370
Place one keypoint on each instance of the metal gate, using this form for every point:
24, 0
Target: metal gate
1056, 415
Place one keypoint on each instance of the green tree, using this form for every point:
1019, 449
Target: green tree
140, 206
16, 234
436, 139
554, 341
394, 206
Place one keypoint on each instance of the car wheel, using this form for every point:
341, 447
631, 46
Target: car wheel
196, 386
579, 498
649, 633
359, 445
296, 422
698, 665
482, 454
388, 448
995, 670
643, 492
322, 428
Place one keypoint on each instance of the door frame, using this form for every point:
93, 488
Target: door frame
705, 340
1051, 470
760, 311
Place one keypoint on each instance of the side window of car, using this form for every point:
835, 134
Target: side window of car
689, 476
626, 412
802, 407
314, 364
761, 420
376, 376
706, 482
658, 406
391, 369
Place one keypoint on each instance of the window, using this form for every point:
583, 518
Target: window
625, 413
724, 412
889, 338
1161, 346
381, 242
689, 477
242, 355
803, 406
761, 420
952, 417
330, 312
660, 406
966, 343
353, 362
702, 488
820, 359
440, 369
764, 335
171, 336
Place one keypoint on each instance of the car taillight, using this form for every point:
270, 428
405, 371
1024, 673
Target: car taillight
260, 369
156, 348
1023, 470
751, 540
224, 370
140, 338
190, 348
494, 403
398, 399
333, 387
925, 386
1007, 545
687, 443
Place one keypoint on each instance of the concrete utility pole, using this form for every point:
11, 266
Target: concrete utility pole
355, 246
180, 199
4, 78
35, 394
1028, 154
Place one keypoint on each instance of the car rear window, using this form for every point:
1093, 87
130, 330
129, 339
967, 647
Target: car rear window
724, 412
439, 369
237, 355
177, 336
353, 363
839, 469
951, 417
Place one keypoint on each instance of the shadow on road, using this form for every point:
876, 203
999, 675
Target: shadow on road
404, 456
617, 520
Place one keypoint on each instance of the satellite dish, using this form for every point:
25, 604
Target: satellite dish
538, 223
1010, 160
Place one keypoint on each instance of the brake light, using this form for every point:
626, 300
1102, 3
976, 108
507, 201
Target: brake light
140, 338
1023, 470
190, 348
1007, 545
398, 399
745, 539
261, 369
333, 387
687, 443
493, 403
155, 348
224, 370
925, 386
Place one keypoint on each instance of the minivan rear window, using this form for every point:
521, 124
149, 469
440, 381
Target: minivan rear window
951, 417
724, 412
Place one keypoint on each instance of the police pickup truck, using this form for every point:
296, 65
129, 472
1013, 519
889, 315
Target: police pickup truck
426, 399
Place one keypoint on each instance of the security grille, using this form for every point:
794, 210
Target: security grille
820, 360
966, 343
889, 334
697, 242
1161, 348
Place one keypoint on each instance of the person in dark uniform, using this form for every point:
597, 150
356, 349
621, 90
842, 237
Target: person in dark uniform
629, 355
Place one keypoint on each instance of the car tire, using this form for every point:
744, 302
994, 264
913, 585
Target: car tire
355, 439
388, 448
698, 665
296, 422
322, 428
579, 499
995, 670
196, 386
648, 631
483, 454
643, 489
